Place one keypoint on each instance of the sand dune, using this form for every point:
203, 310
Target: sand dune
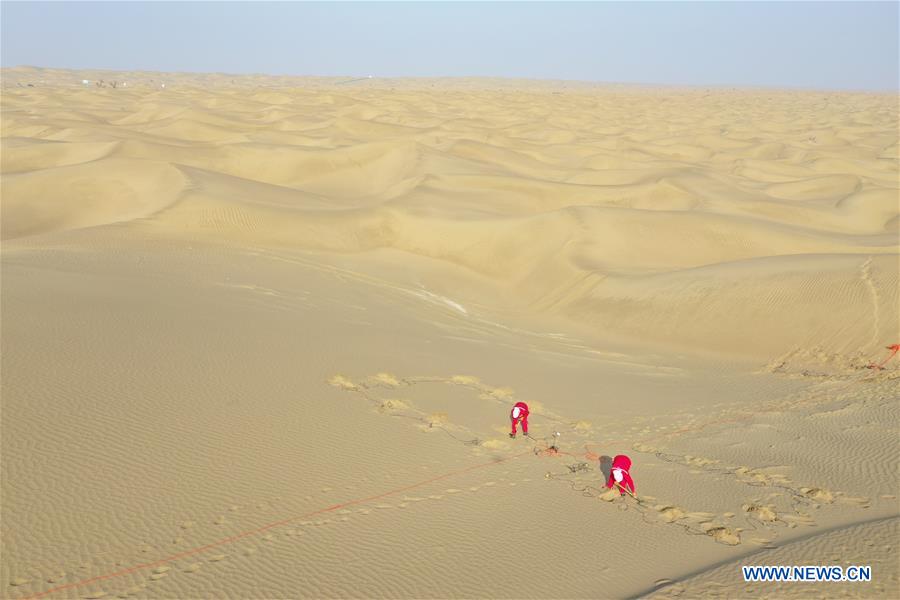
261, 336
92, 192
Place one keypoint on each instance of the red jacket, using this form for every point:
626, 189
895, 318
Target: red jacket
622, 463
523, 410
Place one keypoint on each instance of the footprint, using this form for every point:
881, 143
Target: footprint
217, 557
765, 514
135, 589
504, 393
158, 576
723, 535
669, 514
339, 381
818, 494
220, 520
19, 581
609, 495
438, 418
193, 568
187, 524
393, 405
386, 379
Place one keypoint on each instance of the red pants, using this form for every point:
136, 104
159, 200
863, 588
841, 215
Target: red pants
524, 421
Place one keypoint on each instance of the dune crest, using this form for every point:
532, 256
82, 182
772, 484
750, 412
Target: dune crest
580, 201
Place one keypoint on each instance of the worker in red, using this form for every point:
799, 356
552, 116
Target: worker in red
519, 414
619, 477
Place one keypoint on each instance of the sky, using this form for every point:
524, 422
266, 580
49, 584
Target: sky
824, 45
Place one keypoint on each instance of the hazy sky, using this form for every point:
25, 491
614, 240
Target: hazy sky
843, 45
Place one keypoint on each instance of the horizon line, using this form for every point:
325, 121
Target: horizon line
370, 77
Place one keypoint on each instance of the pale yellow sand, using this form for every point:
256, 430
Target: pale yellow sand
260, 337
870, 544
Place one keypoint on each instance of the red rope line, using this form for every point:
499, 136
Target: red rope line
244, 534
894, 349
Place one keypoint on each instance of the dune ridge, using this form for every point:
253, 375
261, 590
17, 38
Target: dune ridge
538, 195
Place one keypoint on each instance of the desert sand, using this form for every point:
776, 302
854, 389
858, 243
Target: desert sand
261, 336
